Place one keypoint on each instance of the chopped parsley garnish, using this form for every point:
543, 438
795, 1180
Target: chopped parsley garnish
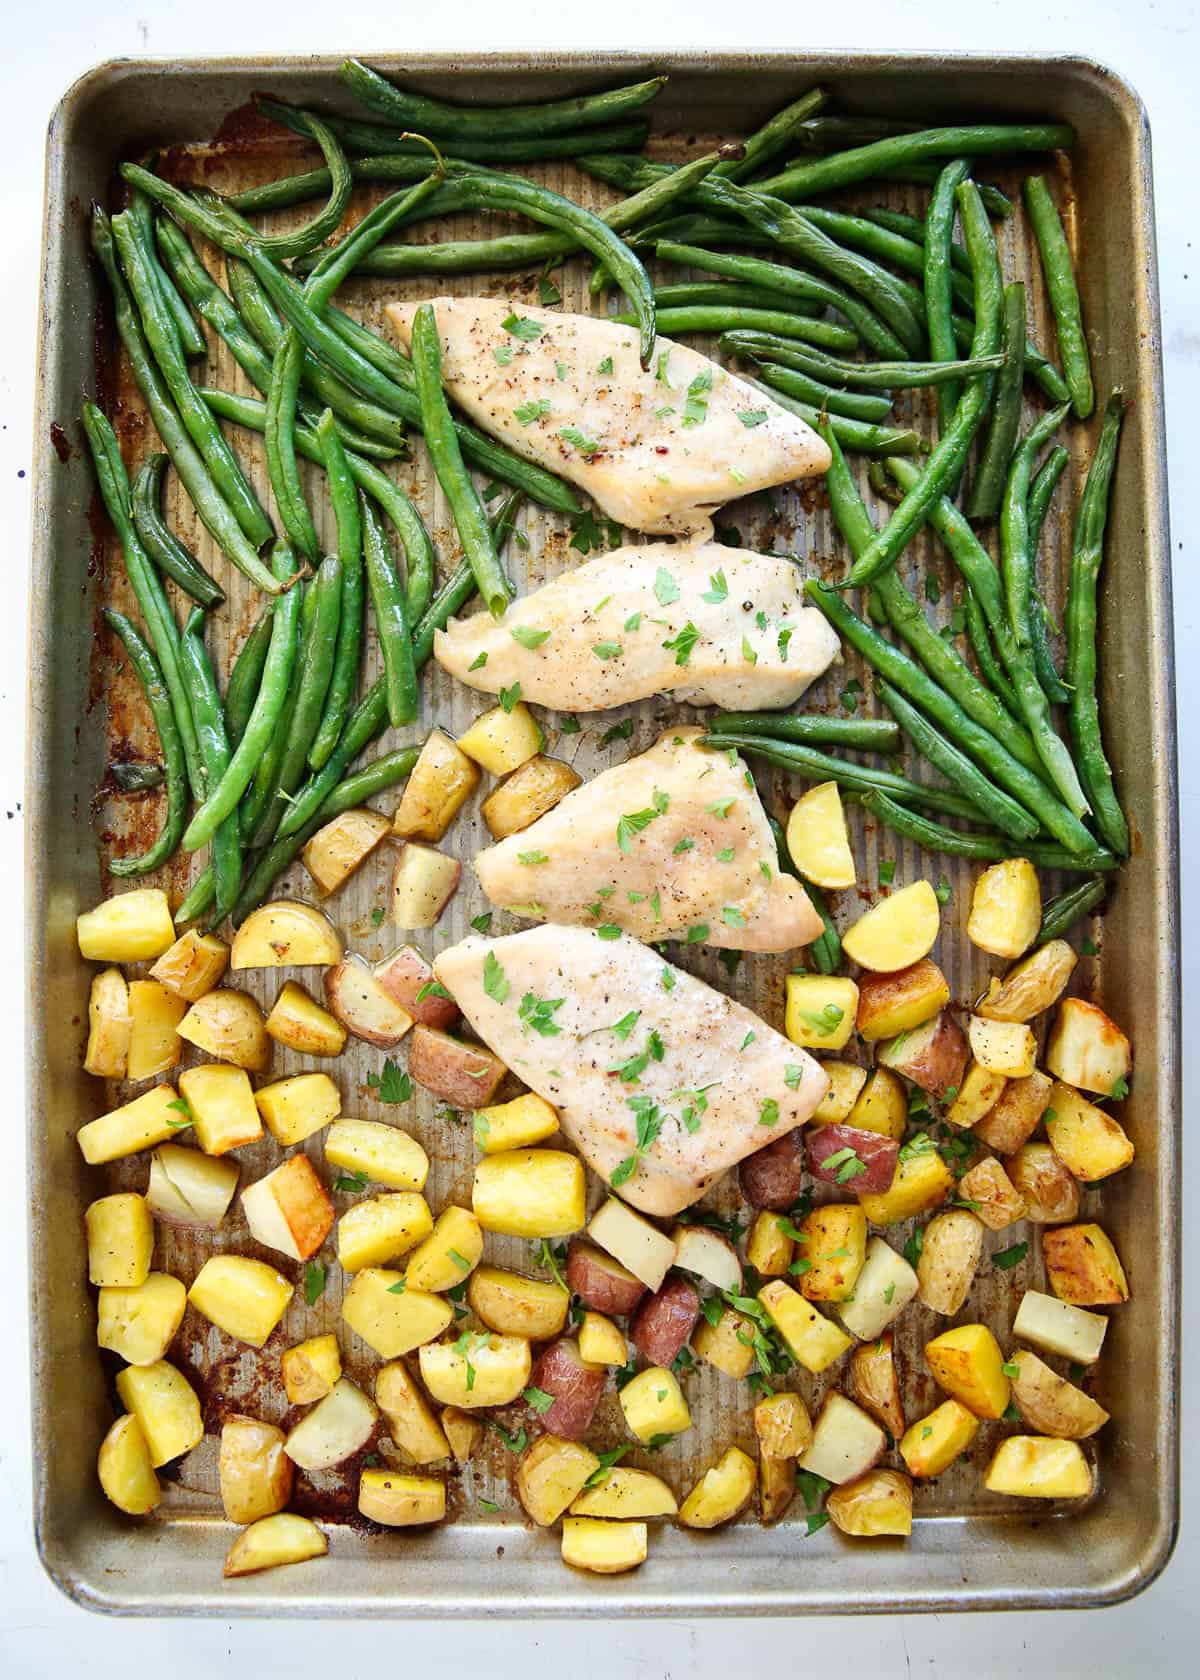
398, 1288
887, 872
538, 1399
695, 408
768, 1114
725, 855
697, 934
1089, 948
933, 590
849, 695
483, 922
528, 412
520, 326
586, 446
943, 891
684, 845
392, 1086
1120, 1089
914, 1245
793, 1073
751, 417
667, 977
607, 650
662, 370
503, 354
626, 1024
187, 1118
479, 661
351, 1183
537, 1014
495, 981
432, 988
720, 808
377, 916
606, 366
586, 534
548, 292
666, 589
782, 641
607, 1459
718, 588
682, 644
515, 1440
569, 726
509, 697
732, 916
1007, 1258
633, 622
314, 1282
608, 931
748, 653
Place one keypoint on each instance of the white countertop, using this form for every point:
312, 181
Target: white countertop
1156, 46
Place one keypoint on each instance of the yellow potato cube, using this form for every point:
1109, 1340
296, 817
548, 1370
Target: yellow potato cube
601, 1342
782, 1424
922, 1181
1005, 1048
980, 1091
188, 1187
389, 1316
835, 1249
817, 839
154, 1044
768, 1247
1088, 1142
537, 787
1032, 986
285, 934
654, 1404
968, 1364
899, 1002
380, 1228
950, 1255
886, 1284
245, 1298
896, 932
603, 1548
450, 1252
149, 1119
515, 1125
847, 1441
1088, 1050
125, 1471
295, 1108
479, 1369
882, 1107
1039, 1467
310, 1369
256, 1474
410, 1421
462, 1431
120, 1239
193, 965
1083, 1266
997, 1200
845, 1083
776, 1487
399, 1500
132, 927
815, 1341
377, 1151
722, 1493
514, 1305
273, 1541
140, 1323
625, 1493
530, 1193
228, 1025
931, 1445
500, 740
166, 1407
300, 1023
728, 1343
1006, 908
442, 779
1015, 1113
337, 850
551, 1474
820, 1010
221, 1100
877, 1503
110, 1025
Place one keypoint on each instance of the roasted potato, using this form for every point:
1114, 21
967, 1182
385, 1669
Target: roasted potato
845, 1083
897, 932
1088, 1142
139, 1324
125, 1470
221, 1101
285, 934
154, 1044
130, 927
846, 1442
890, 1004
463, 1075
193, 965
835, 1248
664, 1321
390, 1317
726, 1342
502, 740
409, 981
1083, 1267
1006, 908
478, 1369
933, 1443
654, 1404
968, 1364
1049, 1403
922, 1181
532, 790
140, 1124
1049, 1191
773, 1176
381, 1228
110, 1025
1039, 1467
310, 1369
709, 1255
1006, 1048
1087, 1050
513, 1305
551, 1475
573, 1385
1032, 987
1015, 1113
882, 1107
337, 1426
530, 1193
768, 1247
933, 1055
408, 1415
423, 883
189, 1188
886, 1284
993, 1194
442, 779
817, 841
723, 1492
166, 1407
515, 1125
120, 1240
362, 1006
875, 1383
877, 1503
245, 1298
463, 1432
289, 1209
603, 1548
815, 1341
950, 1255
639, 1246
1059, 1327
256, 1473
379, 1152
820, 1010
449, 1253
400, 1501
844, 1156
230, 1026
979, 1092
601, 1342
295, 1108
300, 1023
272, 1541
782, 1424
336, 850
626, 1493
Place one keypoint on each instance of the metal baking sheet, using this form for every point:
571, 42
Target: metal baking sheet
968, 1550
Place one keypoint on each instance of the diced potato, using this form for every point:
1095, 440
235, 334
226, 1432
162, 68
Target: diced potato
193, 965
776, 1487
310, 1369
885, 1286
922, 1181
551, 1476
875, 1383
410, 981
289, 1209
980, 1091
654, 1404
462, 1431
603, 1548
139, 1324
896, 932
1007, 1048
845, 1083
110, 1025
382, 1153
336, 1427
528, 794
1015, 1113
876, 1504
515, 1125
463, 1075
932, 1444
295, 1108
125, 1470
502, 740
531, 1193
132, 927
399, 1500
728, 1344
166, 1407
120, 1239
299, 1022
1049, 1403
836, 1249
708, 1254
1006, 908
882, 1107
442, 779
820, 1010
490, 1370
1083, 1267
221, 1100
722, 1493
815, 1341
968, 1364
846, 1442
626, 1494
285, 934
513, 1305
1039, 1467
190, 1188
140, 1124
950, 1254
996, 1198
410, 1420
423, 883
1088, 1050
1049, 1191
256, 1473
1032, 986
889, 1004
782, 1424
337, 850
274, 1541
1058, 1327
230, 1026
154, 1014
380, 1228
245, 1298
449, 1253
817, 839
933, 1056
390, 1317
640, 1246
1088, 1142
768, 1248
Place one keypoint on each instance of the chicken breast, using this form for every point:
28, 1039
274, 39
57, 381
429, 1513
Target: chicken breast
715, 626
658, 449
624, 1046
674, 844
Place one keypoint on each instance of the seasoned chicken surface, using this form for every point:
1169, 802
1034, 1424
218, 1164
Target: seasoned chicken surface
623, 1044
672, 845
658, 449
715, 626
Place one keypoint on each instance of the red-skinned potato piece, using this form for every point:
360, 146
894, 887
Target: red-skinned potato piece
773, 1177
877, 1154
665, 1322
576, 1387
601, 1282
403, 976
463, 1075
933, 1056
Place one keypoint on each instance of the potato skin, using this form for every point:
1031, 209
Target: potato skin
576, 1387
600, 1281
403, 976
1049, 1191
933, 1056
773, 1177
878, 1155
998, 1201
665, 1322
463, 1075
1011, 1119
256, 1473
1084, 1267
875, 1383
949, 1259
1050, 1404
880, 1502
893, 1003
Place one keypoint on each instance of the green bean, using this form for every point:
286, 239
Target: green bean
999, 441
859, 405
281, 447
161, 543
136, 775
826, 949
1040, 493
1059, 275
344, 499
200, 896
258, 811
244, 679
814, 766
1011, 818
831, 370
866, 734
214, 750
926, 175
146, 668
858, 435
1061, 914
987, 848
981, 642
315, 671
1087, 556
711, 318
143, 579
340, 260
915, 228
945, 463
937, 276
391, 622
298, 241
835, 133
207, 499
684, 293
382, 773
861, 163
188, 336
264, 717
774, 135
